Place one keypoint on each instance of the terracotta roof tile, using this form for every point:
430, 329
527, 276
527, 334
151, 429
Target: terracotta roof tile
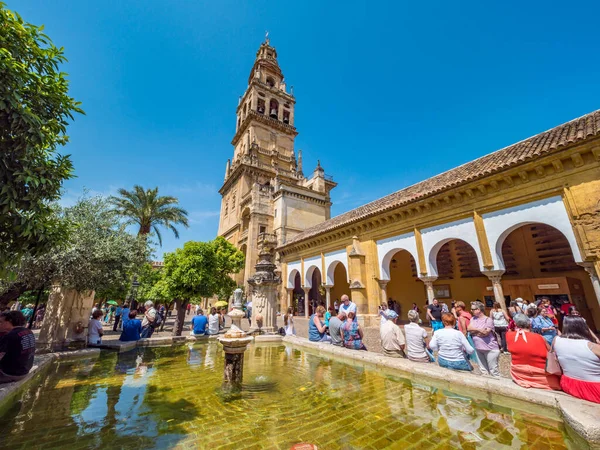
568, 133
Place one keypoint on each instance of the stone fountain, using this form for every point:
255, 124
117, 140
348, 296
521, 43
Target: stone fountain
237, 313
265, 284
234, 344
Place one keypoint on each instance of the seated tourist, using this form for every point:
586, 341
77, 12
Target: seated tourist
392, 339
317, 331
199, 323
544, 325
353, 334
579, 358
416, 339
529, 352
481, 328
336, 323
213, 321
451, 345
95, 331
132, 328
17, 347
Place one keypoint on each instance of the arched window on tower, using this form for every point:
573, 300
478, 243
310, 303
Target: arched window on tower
270, 81
244, 112
274, 109
260, 108
286, 116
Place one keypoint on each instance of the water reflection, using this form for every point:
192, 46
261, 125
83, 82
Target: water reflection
163, 397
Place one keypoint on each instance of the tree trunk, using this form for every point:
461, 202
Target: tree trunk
35, 308
180, 318
13, 293
167, 309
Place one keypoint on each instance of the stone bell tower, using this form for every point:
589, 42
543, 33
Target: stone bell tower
265, 190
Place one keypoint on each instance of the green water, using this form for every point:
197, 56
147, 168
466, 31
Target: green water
171, 398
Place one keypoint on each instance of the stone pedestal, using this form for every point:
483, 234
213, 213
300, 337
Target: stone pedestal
237, 314
233, 370
265, 285
66, 320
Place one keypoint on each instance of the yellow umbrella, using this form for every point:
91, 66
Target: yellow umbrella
221, 303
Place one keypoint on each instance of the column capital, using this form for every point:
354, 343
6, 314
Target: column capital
382, 283
494, 275
327, 286
306, 288
427, 280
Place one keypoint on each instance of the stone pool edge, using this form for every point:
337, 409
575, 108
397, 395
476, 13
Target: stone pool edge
9, 391
580, 415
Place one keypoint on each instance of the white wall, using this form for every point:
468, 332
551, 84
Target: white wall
331, 260
387, 248
309, 266
292, 268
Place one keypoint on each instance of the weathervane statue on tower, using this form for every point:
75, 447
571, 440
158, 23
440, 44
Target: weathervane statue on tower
267, 37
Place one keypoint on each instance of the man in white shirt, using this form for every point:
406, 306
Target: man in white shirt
149, 319
416, 339
347, 306
392, 339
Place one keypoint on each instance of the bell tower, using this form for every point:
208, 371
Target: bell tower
265, 191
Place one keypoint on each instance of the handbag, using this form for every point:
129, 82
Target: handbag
552, 364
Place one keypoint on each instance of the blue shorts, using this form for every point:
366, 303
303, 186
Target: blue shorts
455, 365
437, 325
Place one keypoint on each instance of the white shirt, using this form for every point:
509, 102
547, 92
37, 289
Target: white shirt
415, 346
450, 344
213, 324
94, 329
384, 318
577, 359
150, 313
391, 336
350, 308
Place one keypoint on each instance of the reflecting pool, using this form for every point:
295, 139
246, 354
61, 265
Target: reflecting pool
171, 398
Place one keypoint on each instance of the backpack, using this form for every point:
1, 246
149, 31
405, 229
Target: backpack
281, 331
158, 320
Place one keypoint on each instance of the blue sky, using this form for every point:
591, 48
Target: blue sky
388, 93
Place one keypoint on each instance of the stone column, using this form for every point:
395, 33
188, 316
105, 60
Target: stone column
495, 277
306, 292
429, 286
327, 295
233, 370
383, 290
290, 298
66, 320
592, 272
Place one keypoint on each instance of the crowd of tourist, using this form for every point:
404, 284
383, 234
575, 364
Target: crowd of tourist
550, 347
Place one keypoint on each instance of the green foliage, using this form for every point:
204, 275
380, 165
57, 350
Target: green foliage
148, 210
201, 269
148, 279
34, 111
98, 255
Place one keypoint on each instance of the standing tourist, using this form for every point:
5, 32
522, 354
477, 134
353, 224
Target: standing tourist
416, 339
347, 306
434, 314
392, 339
199, 323
336, 305
316, 326
132, 328
213, 321
486, 345
188, 308
39, 316
95, 330
336, 323
27, 312
550, 310
501, 320
544, 325
17, 347
514, 309
288, 322
330, 312
95, 308
529, 352
118, 313
451, 346
124, 315
353, 333
579, 358
418, 311
149, 320
249, 312
383, 309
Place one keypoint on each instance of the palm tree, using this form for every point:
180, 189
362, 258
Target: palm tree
147, 209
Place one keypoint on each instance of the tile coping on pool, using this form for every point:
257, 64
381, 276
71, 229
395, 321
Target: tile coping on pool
582, 416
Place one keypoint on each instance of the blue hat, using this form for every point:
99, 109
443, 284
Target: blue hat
391, 314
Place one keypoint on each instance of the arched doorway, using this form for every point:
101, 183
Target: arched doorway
459, 276
404, 287
340, 282
539, 262
314, 294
